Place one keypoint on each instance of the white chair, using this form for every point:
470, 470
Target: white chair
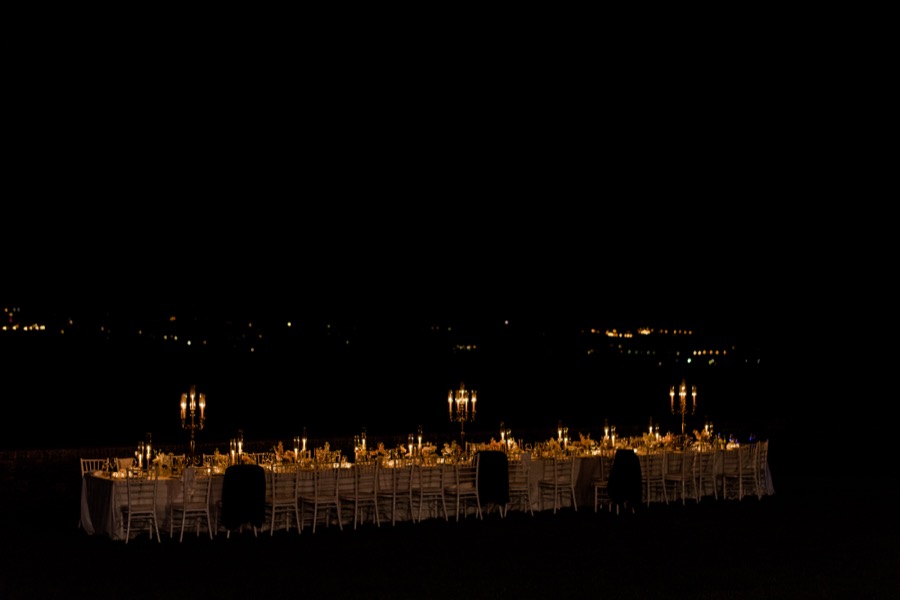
729, 473
462, 487
427, 487
678, 475
281, 497
89, 465
519, 487
306, 489
139, 511
653, 477
705, 465
364, 493
600, 483
558, 482
395, 489
762, 468
325, 496
192, 502
748, 470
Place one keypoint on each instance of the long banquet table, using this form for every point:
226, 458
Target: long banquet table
103, 497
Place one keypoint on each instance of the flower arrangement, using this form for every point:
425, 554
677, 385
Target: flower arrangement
650, 442
282, 455
380, 450
324, 453
450, 449
164, 460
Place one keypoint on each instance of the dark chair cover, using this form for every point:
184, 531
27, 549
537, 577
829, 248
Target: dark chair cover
493, 477
243, 496
624, 485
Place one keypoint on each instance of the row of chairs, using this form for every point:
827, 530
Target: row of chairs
299, 497
732, 474
284, 498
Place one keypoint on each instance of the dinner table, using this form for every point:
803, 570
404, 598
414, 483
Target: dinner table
104, 495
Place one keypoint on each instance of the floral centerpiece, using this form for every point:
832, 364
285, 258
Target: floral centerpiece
585, 445
451, 449
282, 455
164, 463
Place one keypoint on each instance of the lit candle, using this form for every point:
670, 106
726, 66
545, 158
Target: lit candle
694, 397
202, 405
473, 404
183, 406
672, 397
296, 447
450, 403
193, 399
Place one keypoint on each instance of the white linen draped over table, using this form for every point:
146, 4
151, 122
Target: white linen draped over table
102, 500
102, 497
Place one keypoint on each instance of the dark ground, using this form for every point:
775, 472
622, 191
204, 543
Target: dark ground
815, 538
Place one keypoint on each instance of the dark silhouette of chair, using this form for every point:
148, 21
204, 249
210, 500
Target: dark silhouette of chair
624, 486
493, 479
243, 498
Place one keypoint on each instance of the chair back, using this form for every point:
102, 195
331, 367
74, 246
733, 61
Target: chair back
196, 487
142, 494
625, 479
559, 470
328, 480
428, 480
89, 465
366, 479
492, 475
674, 464
519, 474
243, 496
282, 488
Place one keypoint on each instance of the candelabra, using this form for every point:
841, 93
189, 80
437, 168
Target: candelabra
144, 453
462, 409
505, 436
190, 401
237, 446
682, 408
